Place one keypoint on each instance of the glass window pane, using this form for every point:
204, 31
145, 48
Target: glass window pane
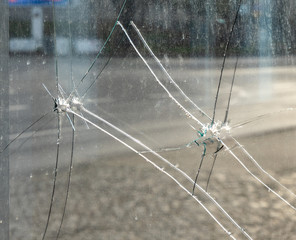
150, 119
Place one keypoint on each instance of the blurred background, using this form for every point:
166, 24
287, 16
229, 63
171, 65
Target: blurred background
114, 194
187, 28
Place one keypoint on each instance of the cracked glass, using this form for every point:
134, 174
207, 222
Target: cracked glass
150, 119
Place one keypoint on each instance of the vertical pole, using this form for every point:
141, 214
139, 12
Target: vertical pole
4, 119
37, 26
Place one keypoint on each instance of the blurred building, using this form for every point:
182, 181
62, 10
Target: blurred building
32, 26
192, 28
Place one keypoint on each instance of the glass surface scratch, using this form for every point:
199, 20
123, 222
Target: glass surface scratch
151, 119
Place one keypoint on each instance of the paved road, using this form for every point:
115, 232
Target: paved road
116, 195
128, 95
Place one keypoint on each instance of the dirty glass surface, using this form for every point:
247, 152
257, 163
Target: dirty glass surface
152, 119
